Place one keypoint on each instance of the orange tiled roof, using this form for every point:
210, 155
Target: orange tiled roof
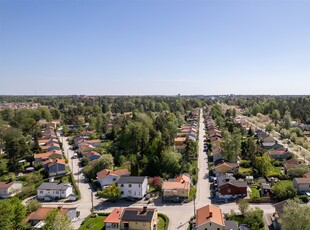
169, 185
209, 213
183, 177
42, 212
119, 172
5, 184
115, 216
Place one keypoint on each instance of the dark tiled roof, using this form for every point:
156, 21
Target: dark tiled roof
54, 186
137, 214
131, 179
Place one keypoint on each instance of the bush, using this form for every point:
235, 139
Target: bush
304, 199
245, 164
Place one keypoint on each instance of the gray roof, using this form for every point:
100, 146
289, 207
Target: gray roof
231, 225
266, 186
131, 179
54, 186
137, 214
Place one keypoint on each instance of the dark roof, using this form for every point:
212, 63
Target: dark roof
279, 207
138, 214
54, 186
240, 184
131, 179
231, 225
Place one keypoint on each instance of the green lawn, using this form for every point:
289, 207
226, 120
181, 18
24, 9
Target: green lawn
255, 193
95, 223
245, 170
160, 223
274, 171
286, 183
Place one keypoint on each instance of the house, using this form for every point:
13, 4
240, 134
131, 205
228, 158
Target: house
41, 213
209, 217
133, 186
176, 190
216, 154
49, 155
132, 218
108, 177
113, 221
10, 189
95, 143
280, 154
85, 148
292, 163
55, 167
139, 218
180, 140
266, 189
225, 167
229, 187
54, 190
276, 217
302, 184
92, 155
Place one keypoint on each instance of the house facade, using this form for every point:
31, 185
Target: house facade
132, 218
54, 190
10, 189
133, 186
302, 184
108, 177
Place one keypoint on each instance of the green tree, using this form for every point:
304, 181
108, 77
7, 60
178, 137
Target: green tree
295, 216
254, 218
112, 193
32, 206
283, 192
55, 220
243, 206
12, 213
275, 116
287, 120
263, 164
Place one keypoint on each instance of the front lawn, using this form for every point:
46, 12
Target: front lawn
246, 170
255, 193
93, 223
286, 183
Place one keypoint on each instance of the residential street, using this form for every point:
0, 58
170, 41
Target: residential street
179, 214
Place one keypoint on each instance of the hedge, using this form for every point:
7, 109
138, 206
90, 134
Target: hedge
166, 219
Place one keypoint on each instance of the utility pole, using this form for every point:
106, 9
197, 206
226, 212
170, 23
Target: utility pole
92, 201
194, 204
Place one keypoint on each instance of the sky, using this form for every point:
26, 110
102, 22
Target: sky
154, 47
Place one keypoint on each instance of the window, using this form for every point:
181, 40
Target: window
57, 192
139, 185
129, 185
122, 185
122, 192
41, 191
114, 179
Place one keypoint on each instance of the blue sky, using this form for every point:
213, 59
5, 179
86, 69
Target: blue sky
144, 47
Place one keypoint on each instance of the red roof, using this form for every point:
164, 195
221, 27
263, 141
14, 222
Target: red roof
115, 216
119, 172
5, 185
209, 213
42, 212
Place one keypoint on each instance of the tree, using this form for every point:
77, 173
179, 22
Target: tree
12, 212
243, 206
32, 206
283, 192
263, 164
55, 220
275, 116
254, 218
104, 162
295, 216
112, 192
269, 127
287, 120
231, 144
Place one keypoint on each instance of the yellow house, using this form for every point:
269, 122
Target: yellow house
224, 167
132, 218
175, 190
139, 218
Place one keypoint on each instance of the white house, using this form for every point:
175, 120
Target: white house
54, 190
108, 177
302, 184
133, 186
9, 189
